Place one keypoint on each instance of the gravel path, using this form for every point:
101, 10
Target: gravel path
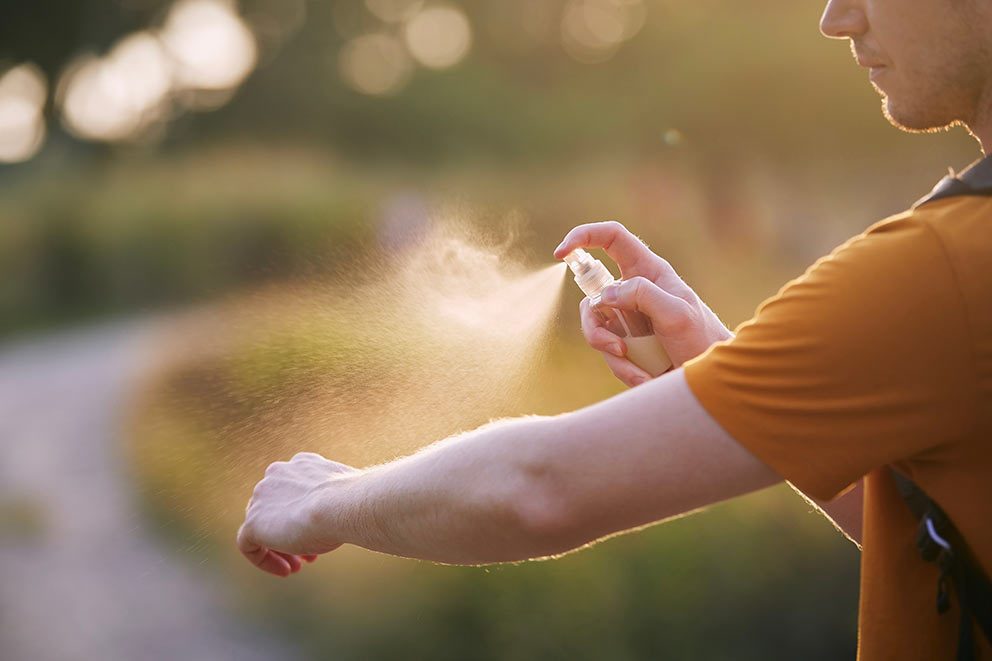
80, 575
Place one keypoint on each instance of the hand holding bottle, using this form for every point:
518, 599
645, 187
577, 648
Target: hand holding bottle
684, 324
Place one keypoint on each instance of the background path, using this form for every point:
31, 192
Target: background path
81, 577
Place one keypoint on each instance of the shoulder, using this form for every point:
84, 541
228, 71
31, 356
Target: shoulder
857, 363
882, 308
873, 282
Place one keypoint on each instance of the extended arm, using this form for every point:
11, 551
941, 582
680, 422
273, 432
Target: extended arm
519, 489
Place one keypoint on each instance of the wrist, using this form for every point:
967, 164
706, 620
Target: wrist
713, 329
333, 510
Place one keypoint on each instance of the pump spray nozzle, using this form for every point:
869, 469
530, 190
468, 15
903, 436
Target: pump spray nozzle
591, 275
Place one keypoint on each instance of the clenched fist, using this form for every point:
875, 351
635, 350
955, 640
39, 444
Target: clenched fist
282, 527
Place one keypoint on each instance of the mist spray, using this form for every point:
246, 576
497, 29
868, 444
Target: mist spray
644, 349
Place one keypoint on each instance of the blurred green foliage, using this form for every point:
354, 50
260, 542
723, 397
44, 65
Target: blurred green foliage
93, 243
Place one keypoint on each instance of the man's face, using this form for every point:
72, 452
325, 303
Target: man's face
930, 59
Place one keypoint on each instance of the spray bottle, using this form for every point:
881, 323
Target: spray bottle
644, 349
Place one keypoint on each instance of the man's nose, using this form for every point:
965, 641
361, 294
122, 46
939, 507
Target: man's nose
843, 19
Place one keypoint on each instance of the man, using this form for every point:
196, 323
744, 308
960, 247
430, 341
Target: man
879, 356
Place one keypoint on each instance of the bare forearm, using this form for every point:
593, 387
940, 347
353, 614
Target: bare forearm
470, 499
538, 486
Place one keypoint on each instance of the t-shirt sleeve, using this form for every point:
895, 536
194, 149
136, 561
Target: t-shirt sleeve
861, 362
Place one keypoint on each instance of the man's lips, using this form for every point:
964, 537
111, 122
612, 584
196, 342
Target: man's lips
869, 64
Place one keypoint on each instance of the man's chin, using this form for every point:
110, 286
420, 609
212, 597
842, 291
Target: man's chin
913, 122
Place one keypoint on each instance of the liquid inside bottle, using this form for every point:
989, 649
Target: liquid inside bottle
644, 349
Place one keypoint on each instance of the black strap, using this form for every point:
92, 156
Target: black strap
976, 180
938, 541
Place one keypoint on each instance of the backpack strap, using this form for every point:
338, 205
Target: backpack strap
938, 541
975, 180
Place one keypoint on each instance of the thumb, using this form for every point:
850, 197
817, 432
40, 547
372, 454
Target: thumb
669, 314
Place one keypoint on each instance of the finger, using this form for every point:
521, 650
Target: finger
308, 558
245, 543
262, 557
293, 560
275, 564
629, 252
308, 456
670, 315
596, 334
629, 373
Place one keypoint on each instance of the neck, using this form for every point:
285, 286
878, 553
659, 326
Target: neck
985, 137
983, 133
981, 126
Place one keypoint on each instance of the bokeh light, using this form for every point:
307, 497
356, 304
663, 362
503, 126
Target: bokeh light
118, 96
375, 64
211, 46
593, 30
394, 11
439, 37
673, 137
23, 91
201, 54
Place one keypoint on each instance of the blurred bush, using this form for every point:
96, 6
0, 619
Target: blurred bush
140, 237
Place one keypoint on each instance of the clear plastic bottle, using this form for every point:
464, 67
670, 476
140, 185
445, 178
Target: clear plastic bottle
644, 349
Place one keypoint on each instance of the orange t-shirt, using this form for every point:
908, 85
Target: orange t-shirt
880, 354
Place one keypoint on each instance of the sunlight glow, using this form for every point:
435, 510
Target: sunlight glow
439, 37
118, 96
212, 47
375, 64
201, 54
593, 30
23, 91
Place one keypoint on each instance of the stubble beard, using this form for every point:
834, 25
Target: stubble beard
954, 92
918, 120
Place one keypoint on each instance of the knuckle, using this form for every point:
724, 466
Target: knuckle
615, 226
577, 236
680, 322
638, 287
